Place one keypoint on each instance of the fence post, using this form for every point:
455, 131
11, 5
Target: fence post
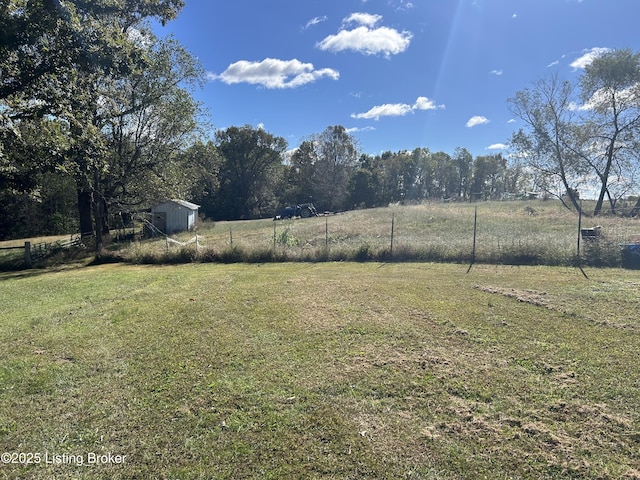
579, 232
578, 259
27, 254
475, 230
230, 236
274, 236
393, 218
326, 232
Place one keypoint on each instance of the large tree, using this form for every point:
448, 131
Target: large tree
150, 118
337, 154
587, 137
610, 91
43, 43
548, 142
251, 159
57, 58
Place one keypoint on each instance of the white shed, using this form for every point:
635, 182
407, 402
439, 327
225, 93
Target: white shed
174, 216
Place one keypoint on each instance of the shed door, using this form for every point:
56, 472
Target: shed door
160, 221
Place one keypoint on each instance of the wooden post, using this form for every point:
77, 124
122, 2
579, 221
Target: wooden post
274, 235
27, 254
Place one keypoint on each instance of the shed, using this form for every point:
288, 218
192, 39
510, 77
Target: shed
174, 216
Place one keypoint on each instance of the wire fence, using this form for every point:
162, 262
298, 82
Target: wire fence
517, 235
512, 233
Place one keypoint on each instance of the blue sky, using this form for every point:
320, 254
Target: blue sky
397, 74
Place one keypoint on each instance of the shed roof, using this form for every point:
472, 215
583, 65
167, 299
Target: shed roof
183, 203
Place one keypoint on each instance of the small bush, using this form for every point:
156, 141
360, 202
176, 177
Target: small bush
364, 253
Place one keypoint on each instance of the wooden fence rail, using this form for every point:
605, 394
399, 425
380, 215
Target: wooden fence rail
40, 250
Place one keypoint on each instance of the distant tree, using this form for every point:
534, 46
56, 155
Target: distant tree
364, 185
463, 164
489, 175
424, 183
299, 185
398, 173
445, 176
202, 164
251, 160
336, 156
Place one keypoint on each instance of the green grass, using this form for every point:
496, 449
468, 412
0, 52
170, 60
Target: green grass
328, 370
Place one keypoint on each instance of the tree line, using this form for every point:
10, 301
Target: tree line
98, 121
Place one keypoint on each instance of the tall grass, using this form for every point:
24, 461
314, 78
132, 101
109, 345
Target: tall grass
511, 233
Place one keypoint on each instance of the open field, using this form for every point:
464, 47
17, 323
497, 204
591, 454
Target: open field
327, 370
512, 233
507, 233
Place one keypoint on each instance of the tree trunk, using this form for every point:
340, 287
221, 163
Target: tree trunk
84, 210
604, 178
98, 214
636, 209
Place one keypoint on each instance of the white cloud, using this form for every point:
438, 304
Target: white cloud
366, 38
397, 109
423, 103
496, 72
357, 129
273, 73
602, 98
477, 120
497, 146
587, 57
368, 19
315, 21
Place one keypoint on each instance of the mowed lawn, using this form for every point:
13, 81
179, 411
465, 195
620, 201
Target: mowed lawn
330, 370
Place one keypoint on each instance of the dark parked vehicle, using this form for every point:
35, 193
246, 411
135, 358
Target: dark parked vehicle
304, 210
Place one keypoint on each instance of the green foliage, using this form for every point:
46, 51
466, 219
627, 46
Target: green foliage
286, 237
250, 158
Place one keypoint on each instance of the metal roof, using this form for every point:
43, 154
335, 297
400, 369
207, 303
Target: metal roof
183, 203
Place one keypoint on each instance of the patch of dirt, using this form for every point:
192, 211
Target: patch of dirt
533, 297
544, 300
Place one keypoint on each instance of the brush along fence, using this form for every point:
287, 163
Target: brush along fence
456, 235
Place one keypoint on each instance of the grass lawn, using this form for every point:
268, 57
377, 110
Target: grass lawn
327, 370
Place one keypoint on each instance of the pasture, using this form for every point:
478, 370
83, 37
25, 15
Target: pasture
510, 233
319, 370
